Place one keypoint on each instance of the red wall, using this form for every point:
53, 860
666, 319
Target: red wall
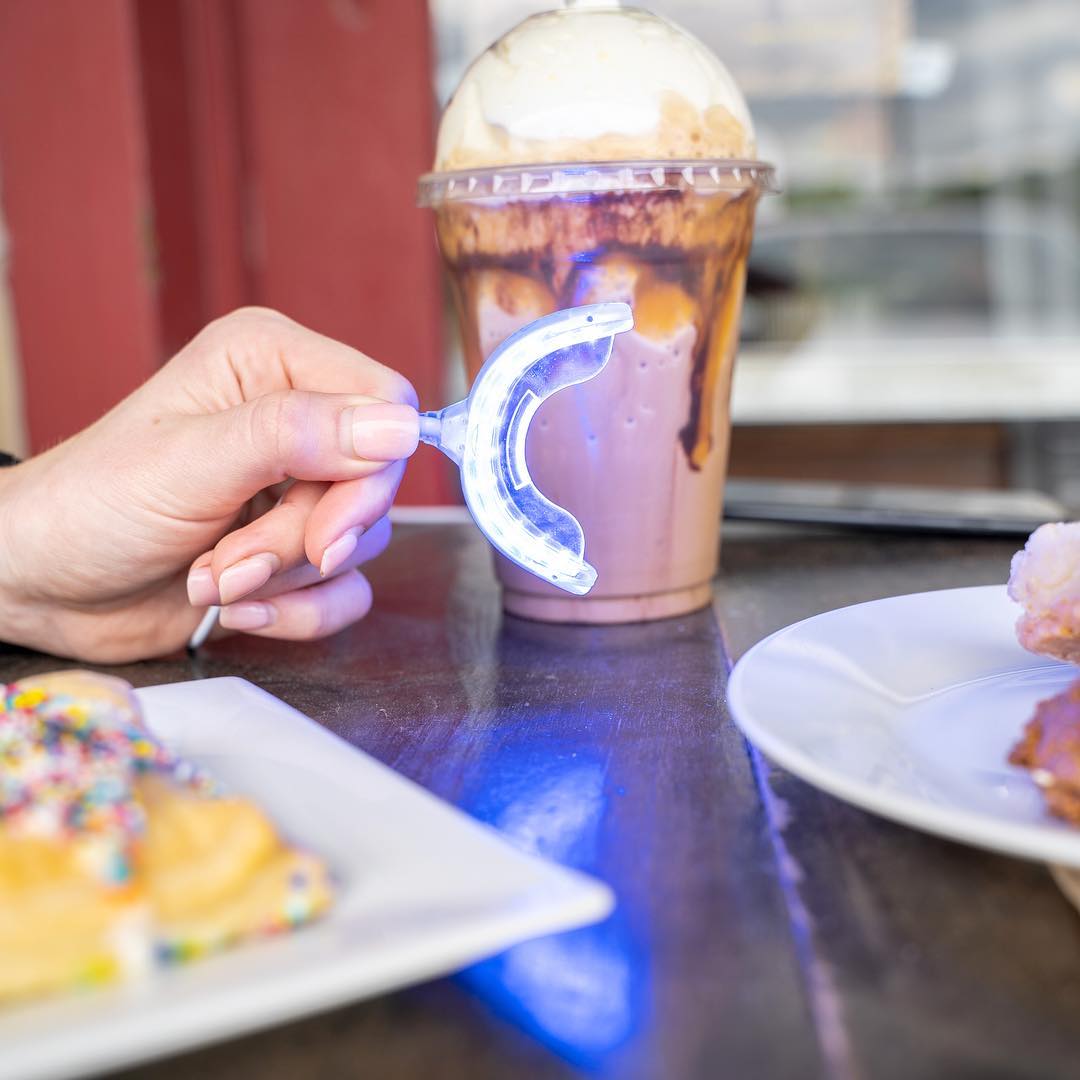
75, 198
164, 161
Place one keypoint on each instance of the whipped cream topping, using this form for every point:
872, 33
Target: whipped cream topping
580, 75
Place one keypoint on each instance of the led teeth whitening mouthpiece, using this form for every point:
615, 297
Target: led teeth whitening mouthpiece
485, 435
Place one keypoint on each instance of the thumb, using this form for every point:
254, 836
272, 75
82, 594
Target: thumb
297, 434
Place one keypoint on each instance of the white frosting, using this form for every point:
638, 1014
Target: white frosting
1046, 572
582, 73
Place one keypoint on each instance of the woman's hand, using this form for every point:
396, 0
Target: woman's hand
113, 543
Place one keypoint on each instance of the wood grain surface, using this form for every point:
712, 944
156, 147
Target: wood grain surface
763, 929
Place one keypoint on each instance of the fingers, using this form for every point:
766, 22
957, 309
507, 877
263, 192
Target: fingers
314, 525
304, 614
244, 559
231, 455
256, 351
343, 509
256, 401
372, 543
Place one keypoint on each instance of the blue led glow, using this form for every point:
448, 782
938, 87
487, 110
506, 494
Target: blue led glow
485, 435
574, 992
578, 992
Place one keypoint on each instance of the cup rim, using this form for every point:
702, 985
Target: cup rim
703, 175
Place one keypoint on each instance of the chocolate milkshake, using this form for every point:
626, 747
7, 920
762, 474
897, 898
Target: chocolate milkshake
598, 153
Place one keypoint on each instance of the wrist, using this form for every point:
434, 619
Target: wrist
13, 601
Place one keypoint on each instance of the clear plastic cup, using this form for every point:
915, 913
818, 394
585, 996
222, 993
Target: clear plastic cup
639, 454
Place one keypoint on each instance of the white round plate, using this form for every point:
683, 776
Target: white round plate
908, 707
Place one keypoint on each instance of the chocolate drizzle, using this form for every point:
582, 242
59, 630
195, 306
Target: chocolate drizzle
533, 256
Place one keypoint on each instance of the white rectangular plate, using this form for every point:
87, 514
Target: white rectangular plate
424, 890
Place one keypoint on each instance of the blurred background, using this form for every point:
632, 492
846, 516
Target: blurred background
913, 308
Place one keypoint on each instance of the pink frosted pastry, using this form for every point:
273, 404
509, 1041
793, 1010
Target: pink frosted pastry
1045, 580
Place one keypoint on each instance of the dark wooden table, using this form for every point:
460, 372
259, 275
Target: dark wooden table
763, 930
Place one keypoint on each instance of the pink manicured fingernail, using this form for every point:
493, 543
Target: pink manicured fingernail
246, 575
381, 431
253, 615
201, 590
337, 552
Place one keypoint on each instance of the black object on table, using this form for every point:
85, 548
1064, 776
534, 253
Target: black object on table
764, 929
893, 507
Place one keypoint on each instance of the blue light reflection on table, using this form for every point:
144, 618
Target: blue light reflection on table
581, 993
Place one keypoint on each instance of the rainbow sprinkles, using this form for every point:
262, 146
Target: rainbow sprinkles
116, 853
